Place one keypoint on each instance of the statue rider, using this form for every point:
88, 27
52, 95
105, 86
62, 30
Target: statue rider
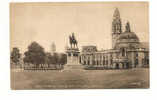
72, 40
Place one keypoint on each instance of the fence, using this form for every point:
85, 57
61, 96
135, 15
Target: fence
33, 67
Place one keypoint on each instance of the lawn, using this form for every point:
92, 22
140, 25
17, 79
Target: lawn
80, 79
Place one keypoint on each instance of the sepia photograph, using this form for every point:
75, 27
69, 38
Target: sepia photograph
79, 45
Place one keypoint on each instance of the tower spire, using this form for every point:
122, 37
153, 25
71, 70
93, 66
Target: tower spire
116, 23
116, 26
116, 13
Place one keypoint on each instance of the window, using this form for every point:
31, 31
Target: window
147, 61
104, 57
106, 62
103, 62
136, 61
123, 52
93, 62
84, 62
111, 61
69, 54
143, 61
75, 54
136, 54
80, 59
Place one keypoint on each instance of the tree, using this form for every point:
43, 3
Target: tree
63, 59
15, 55
48, 58
55, 58
35, 54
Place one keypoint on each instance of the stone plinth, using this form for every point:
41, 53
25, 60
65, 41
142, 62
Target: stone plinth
73, 58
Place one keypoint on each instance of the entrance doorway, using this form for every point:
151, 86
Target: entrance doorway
117, 66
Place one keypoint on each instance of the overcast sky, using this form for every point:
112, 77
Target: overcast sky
91, 22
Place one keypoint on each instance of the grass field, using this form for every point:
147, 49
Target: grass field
80, 79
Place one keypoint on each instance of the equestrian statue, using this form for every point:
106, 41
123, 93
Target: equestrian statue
73, 41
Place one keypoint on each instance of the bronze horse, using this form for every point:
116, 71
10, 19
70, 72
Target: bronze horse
73, 41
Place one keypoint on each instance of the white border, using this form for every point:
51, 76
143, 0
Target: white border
105, 94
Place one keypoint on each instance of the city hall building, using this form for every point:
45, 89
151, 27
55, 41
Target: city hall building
127, 51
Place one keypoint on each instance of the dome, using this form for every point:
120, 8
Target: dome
127, 40
128, 37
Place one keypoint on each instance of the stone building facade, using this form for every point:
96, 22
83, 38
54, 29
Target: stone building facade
127, 51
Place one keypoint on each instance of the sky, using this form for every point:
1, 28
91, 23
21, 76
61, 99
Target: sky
91, 22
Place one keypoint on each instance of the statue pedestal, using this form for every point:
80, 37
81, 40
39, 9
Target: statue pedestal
73, 59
